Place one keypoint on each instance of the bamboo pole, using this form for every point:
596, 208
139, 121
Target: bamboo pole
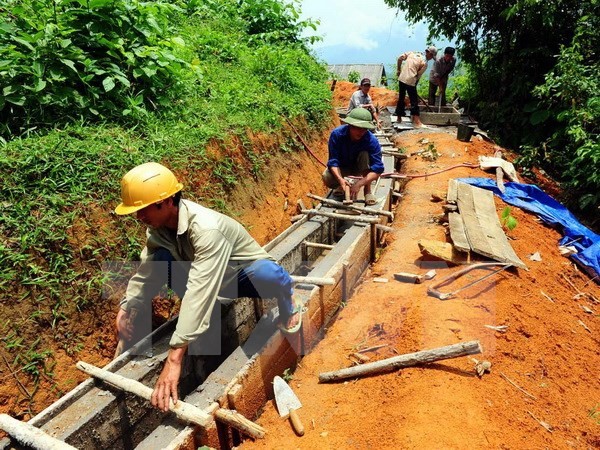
31, 436
315, 212
318, 245
183, 410
313, 280
399, 362
330, 202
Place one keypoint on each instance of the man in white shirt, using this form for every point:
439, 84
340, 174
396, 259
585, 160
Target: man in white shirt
361, 99
411, 66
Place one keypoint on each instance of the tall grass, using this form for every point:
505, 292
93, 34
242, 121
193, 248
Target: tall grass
61, 183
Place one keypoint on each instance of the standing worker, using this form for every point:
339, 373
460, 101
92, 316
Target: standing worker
411, 66
216, 253
361, 99
354, 151
438, 75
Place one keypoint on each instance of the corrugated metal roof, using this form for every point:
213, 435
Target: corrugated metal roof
375, 72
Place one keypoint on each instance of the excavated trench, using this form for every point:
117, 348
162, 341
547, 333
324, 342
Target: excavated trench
96, 415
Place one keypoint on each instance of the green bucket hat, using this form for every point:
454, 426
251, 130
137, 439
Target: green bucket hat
361, 118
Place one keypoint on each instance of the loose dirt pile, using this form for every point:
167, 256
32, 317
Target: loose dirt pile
543, 390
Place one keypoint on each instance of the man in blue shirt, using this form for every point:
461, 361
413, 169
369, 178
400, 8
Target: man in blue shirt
354, 151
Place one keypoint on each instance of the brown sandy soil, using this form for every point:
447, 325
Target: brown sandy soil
546, 351
381, 96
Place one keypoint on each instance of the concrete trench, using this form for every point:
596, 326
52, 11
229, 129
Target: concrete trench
95, 415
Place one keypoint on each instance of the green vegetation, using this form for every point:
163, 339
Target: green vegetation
531, 79
595, 413
507, 219
353, 76
92, 88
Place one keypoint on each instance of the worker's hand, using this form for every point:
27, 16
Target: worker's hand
343, 183
165, 389
124, 325
355, 188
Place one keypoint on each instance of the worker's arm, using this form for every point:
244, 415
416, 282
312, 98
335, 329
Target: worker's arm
141, 288
422, 66
368, 178
211, 255
401, 58
338, 175
333, 163
166, 385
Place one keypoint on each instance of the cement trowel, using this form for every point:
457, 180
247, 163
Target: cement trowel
287, 403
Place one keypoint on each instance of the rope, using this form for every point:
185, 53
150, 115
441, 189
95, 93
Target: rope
304, 143
398, 175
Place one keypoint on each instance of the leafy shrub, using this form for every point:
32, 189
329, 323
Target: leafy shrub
353, 76
62, 59
569, 104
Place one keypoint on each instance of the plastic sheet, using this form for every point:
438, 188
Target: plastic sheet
531, 198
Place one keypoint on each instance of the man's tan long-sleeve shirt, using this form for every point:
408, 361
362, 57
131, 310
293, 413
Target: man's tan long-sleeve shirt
208, 240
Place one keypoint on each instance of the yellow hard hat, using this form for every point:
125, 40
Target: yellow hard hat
146, 184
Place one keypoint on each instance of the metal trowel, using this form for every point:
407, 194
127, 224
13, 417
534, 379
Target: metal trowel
287, 404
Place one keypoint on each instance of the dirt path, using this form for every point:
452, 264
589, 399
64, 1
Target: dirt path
545, 351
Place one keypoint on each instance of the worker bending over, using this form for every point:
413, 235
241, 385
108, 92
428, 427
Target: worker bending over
222, 259
410, 68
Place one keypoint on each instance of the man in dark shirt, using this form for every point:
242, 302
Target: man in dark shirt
354, 151
438, 75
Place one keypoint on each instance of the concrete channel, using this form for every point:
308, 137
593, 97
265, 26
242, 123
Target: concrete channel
95, 415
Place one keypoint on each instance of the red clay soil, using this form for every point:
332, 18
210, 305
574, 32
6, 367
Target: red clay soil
546, 351
543, 390
264, 207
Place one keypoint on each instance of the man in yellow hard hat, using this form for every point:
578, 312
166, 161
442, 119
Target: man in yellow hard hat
223, 259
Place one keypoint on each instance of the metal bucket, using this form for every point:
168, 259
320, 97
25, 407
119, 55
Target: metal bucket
465, 132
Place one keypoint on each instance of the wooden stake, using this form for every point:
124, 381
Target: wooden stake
183, 410
399, 362
316, 212
313, 280
318, 245
328, 201
499, 173
347, 197
239, 422
31, 436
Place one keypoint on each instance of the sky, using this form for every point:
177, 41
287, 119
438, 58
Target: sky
363, 32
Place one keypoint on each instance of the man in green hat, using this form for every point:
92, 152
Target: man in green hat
354, 151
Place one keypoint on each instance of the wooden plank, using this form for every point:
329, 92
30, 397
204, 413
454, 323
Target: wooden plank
457, 232
496, 237
452, 191
474, 230
482, 226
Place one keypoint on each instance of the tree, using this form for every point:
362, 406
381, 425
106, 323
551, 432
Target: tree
509, 45
534, 67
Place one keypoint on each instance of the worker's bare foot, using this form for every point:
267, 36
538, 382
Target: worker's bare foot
293, 320
417, 122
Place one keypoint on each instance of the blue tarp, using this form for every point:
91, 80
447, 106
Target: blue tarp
531, 198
